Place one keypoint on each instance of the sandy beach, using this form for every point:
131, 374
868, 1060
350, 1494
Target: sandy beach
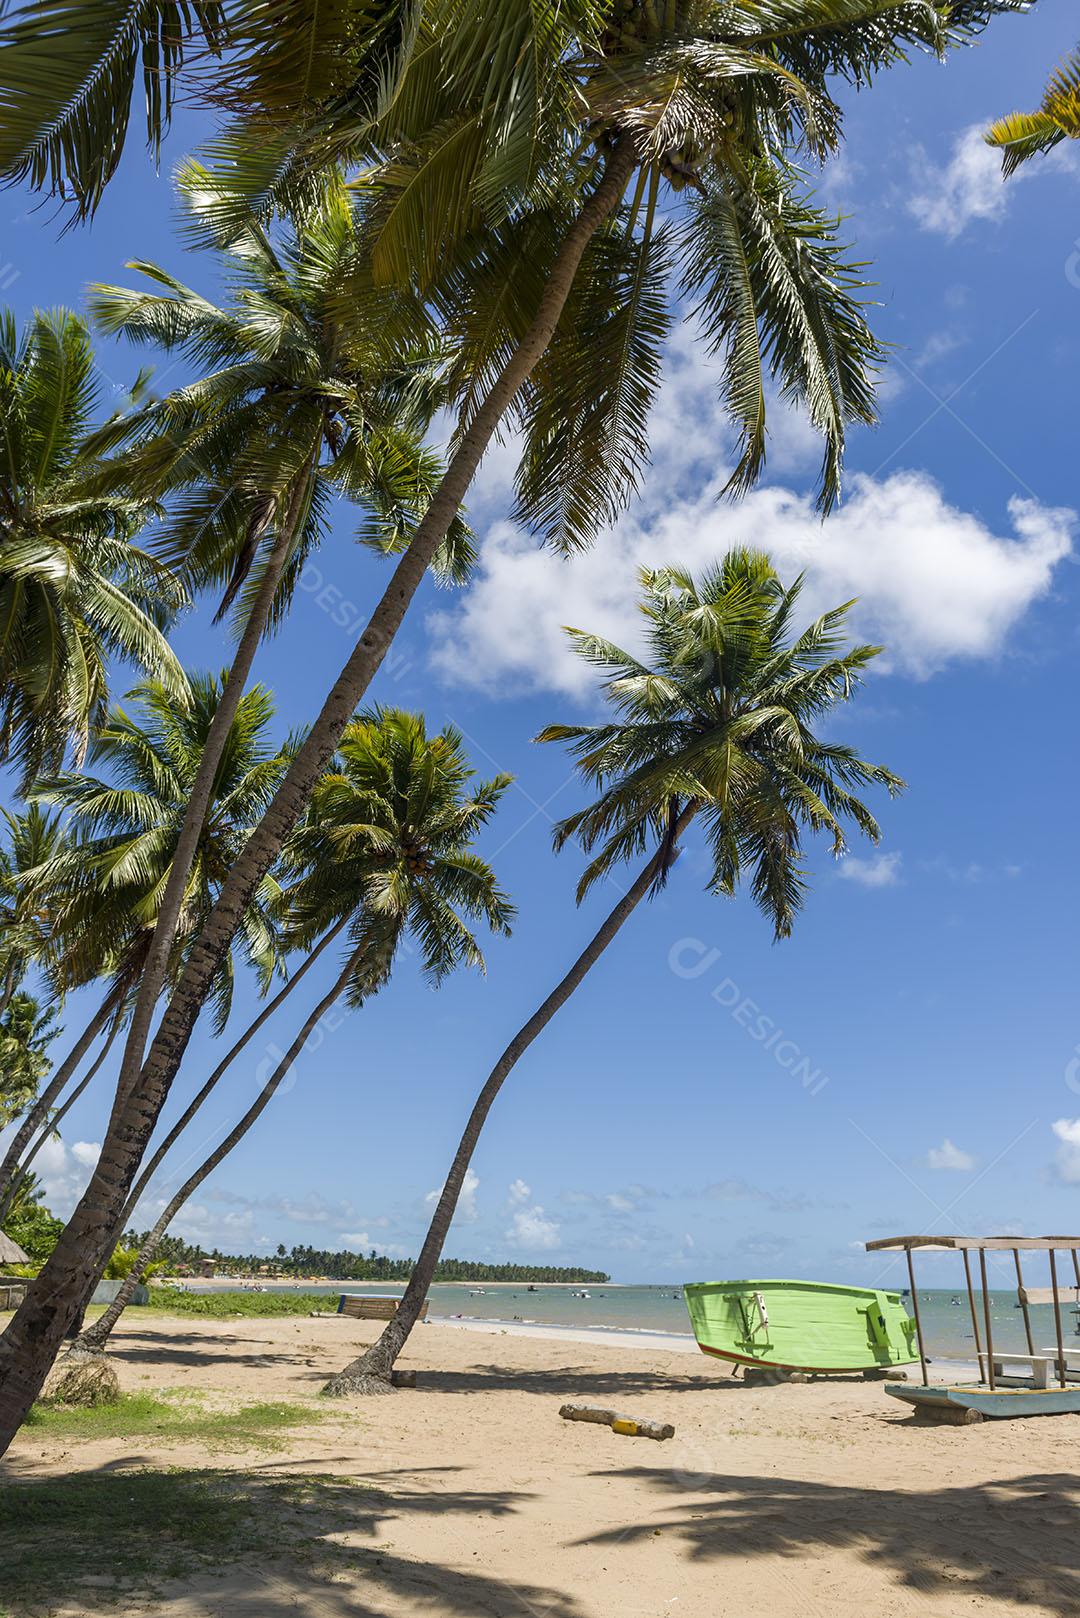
469, 1494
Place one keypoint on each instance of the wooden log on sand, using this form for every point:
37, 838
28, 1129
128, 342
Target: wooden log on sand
629, 1426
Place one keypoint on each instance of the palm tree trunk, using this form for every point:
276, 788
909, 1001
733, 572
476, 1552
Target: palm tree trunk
94, 1338
32, 1339
370, 1371
10, 1167
182, 1122
191, 830
52, 1124
11, 983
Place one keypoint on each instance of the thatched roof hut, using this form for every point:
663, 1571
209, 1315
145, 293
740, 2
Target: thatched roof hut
11, 1252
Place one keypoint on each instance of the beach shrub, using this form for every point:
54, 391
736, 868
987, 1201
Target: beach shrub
222, 1304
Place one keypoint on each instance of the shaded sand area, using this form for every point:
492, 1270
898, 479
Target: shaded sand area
469, 1495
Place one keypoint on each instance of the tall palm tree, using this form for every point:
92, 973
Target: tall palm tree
524, 155
714, 725
312, 383
386, 853
104, 885
74, 589
1023, 135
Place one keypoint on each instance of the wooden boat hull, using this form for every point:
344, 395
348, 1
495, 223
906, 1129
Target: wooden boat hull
800, 1325
998, 1404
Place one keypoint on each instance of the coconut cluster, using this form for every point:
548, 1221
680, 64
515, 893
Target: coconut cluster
417, 858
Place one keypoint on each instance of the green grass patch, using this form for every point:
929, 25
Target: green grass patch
222, 1304
183, 1417
104, 1538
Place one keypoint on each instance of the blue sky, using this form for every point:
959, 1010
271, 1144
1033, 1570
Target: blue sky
919, 1064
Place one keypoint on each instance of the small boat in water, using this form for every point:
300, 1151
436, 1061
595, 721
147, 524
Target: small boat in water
800, 1325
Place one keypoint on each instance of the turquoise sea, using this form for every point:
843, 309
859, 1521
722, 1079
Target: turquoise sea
945, 1317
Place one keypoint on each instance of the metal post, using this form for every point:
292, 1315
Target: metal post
1057, 1320
986, 1321
1023, 1300
974, 1311
918, 1321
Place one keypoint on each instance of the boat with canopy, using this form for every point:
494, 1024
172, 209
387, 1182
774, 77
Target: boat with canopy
1040, 1382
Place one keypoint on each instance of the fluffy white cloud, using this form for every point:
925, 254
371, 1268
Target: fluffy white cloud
466, 1205
1067, 1161
64, 1170
950, 1157
532, 1228
519, 1192
934, 583
879, 871
948, 196
359, 1240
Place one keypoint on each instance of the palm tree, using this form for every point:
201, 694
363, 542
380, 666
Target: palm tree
716, 726
74, 589
386, 853
25, 1034
104, 885
506, 170
33, 838
313, 383
1023, 135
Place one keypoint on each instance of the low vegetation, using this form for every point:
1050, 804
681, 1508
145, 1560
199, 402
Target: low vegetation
125, 1535
220, 1305
173, 1416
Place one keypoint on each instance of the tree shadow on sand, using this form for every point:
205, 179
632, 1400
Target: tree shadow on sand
569, 1381
281, 1544
1014, 1540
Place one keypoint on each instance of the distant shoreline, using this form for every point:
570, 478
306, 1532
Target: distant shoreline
225, 1283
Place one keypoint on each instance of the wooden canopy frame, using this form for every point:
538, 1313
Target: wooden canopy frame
1052, 1245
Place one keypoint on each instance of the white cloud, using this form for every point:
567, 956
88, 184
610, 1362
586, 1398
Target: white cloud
1067, 1161
531, 1228
950, 1157
879, 871
934, 583
64, 1170
519, 1191
968, 185
618, 1203
466, 1204
358, 1239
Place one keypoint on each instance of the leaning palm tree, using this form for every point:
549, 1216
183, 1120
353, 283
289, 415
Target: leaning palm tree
715, 726
1023, 135
74, 589
385, 856
103, 887
508, 170
313, 383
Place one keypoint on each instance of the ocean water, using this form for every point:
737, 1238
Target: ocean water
946, 1319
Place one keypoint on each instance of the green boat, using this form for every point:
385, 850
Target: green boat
801, 1325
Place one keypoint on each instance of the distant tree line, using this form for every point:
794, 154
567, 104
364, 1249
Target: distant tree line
174, 1254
